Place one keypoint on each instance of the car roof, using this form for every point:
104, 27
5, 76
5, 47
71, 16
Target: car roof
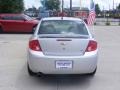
62, 18
7, 14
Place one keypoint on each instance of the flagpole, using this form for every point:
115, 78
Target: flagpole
93, 29
71, 8
93, 26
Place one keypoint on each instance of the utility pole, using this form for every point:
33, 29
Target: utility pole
71, 8
113, 5
62, 6
113, 8
109, 6
104, 12
80, 4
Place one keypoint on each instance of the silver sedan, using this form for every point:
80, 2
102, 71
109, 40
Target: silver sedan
62, 45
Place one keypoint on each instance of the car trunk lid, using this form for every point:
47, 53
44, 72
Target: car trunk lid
63, 46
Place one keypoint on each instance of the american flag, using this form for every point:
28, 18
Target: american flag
92, 14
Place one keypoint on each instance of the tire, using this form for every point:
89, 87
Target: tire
93, 73
30, 72
1, 30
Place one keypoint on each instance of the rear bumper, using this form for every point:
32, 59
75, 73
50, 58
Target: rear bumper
46, 64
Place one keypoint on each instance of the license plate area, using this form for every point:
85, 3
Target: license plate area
64, 64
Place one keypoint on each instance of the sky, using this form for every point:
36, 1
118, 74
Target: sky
104, 4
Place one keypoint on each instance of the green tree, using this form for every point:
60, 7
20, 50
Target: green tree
118, 7
97, 9
52, 4
11, 6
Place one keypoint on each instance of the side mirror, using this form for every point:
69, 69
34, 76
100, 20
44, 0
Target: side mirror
38, 18
85, 20
33, 30
24, 20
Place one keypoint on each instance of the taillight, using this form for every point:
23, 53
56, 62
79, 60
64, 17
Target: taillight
34, 45
92, 46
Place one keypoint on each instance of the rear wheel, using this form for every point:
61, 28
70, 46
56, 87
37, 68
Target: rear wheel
93, 73
30, 72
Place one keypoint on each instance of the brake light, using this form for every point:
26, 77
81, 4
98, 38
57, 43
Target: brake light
34, 45
92, 46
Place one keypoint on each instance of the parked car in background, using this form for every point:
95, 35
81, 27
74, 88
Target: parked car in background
17, 23
62, 45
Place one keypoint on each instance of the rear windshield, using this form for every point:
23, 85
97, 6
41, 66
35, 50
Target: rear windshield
62, 27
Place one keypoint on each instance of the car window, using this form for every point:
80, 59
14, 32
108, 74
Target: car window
62, 27
12, 18
17, 18
6, 17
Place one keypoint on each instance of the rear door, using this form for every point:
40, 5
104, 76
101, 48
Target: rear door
7, 23
20, 24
